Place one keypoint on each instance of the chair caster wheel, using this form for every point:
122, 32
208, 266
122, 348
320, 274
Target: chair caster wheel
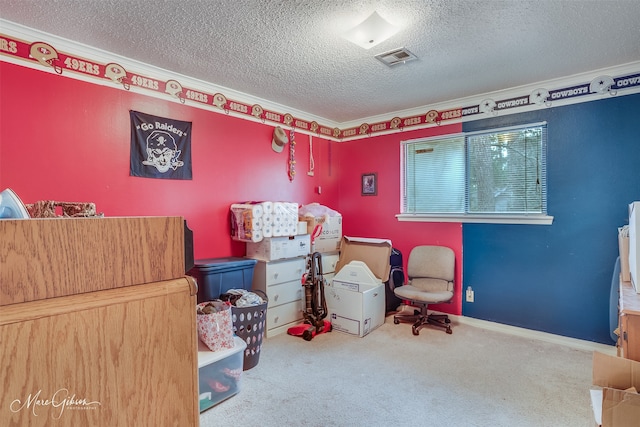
449, 331
396, 321
447, 320
415, 331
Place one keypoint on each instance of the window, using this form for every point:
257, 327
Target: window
489, 176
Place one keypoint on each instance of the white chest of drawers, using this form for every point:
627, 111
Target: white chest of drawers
281, 281
329, 262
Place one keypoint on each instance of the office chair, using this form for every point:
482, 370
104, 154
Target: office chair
430, 270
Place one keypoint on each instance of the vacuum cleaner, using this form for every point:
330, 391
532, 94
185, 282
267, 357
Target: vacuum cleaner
316, 304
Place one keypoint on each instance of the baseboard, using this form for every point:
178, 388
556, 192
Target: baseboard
542, 336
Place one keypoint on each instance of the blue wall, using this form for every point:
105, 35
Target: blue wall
557, 278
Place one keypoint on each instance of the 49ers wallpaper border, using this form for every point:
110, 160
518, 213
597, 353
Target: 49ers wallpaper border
44, 54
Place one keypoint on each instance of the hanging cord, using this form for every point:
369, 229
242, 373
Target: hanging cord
292, 154
311, 162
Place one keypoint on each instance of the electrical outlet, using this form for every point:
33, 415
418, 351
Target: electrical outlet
469, 294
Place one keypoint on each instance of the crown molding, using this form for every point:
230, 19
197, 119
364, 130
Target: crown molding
626, 81
154, 81
98, 56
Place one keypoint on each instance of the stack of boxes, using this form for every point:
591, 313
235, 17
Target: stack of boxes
279, 271
282, 263
324, 225
353, 269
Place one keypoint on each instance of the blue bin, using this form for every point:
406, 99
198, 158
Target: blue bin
215, 276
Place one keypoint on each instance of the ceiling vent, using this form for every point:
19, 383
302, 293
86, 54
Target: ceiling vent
396, 56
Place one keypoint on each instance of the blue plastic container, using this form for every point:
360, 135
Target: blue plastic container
216, 276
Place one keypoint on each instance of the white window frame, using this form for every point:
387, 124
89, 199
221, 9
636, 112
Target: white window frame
491, 218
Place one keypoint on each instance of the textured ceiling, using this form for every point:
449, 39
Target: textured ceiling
290, 51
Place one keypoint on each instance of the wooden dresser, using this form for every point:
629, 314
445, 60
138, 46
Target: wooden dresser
629, 311
97, 323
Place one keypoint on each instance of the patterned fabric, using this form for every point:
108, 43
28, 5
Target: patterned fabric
49, 209
216, 328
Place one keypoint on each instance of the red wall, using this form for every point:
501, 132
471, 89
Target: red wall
67, 140
374, 216
63, 139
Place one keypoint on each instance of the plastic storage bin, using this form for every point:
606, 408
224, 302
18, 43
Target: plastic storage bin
216, 276
219, 373
250, 323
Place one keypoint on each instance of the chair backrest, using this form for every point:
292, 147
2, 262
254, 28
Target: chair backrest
431, 264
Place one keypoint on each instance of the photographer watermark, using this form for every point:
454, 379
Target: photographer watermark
60, 401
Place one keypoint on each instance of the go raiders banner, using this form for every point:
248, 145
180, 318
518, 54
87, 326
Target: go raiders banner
160, 148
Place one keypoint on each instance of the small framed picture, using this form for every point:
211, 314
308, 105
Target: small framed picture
369, 184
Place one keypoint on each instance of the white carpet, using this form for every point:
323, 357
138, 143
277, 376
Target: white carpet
474, 377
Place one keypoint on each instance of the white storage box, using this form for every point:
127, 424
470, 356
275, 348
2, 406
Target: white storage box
329, 238
355, 297
274, 248
324, 225
219, 373
355, 300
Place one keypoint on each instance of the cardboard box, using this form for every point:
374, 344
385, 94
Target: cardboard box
616, 406
623, 247
355, 297
274, 248
373, 252
328, 236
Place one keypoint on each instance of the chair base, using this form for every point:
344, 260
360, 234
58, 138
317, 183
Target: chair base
422, 318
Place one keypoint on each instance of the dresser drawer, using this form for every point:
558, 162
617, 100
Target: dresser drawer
329, 262
283, 314
284, 293
283, 271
